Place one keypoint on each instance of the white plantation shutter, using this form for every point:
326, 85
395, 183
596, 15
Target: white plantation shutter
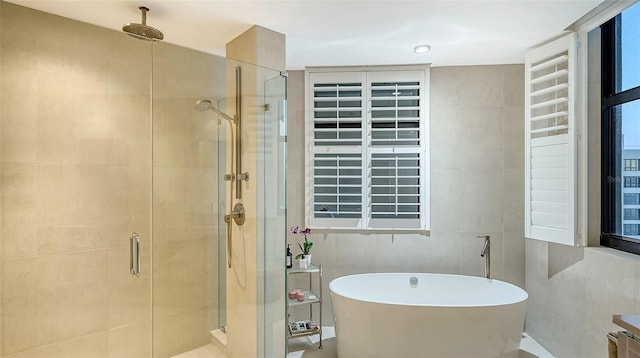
338, 114
397, 150
395, 190
367, 149
395, 113
337, 186
335, 129
551, 142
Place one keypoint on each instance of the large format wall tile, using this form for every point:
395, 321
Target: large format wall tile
19, 305
19, 127
129, 298
73, 288
19, 204
128, 342
93, 345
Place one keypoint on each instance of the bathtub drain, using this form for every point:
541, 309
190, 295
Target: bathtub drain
413, 281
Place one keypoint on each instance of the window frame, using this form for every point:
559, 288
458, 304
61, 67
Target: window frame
611, 48
369, 75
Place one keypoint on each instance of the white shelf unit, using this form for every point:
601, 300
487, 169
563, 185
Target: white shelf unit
311, 298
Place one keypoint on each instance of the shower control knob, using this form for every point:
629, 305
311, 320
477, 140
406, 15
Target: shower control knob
243, 176
237, 214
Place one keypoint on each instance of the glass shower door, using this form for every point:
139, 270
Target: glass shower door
186, 200
274, 155
75, 184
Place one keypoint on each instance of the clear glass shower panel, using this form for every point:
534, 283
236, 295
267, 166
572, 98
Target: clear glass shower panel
186, 199
274, 155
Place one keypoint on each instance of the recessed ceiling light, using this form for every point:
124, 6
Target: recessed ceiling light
422, 49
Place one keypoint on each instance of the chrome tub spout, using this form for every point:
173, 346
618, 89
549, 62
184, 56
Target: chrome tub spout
486, 253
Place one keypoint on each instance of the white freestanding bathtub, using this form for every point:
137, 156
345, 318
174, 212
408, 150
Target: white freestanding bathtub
426, 315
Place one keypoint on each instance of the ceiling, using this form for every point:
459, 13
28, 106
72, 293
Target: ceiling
347, 32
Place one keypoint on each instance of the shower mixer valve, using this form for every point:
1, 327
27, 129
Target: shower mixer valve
237, 214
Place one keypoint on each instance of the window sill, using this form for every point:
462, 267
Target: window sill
426, 233
620, 243
603, 250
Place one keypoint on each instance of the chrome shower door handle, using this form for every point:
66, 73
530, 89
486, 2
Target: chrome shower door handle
132, 268
138, 255
134, 254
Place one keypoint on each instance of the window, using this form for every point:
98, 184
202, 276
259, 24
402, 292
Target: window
631, 199
631, 165
621, 130
631, 214
632, 182
632, 229
367, 149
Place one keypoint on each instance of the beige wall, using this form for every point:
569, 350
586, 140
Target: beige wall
477, 161
76, 181
574, 291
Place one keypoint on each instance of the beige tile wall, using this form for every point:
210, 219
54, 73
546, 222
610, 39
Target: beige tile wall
75, 161
477, 184
573, 292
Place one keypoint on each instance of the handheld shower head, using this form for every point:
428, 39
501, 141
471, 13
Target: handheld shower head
203, 105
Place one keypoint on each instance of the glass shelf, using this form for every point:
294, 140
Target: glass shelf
310, 269
310, 297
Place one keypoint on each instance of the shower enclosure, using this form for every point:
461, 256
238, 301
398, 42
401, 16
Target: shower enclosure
100, 140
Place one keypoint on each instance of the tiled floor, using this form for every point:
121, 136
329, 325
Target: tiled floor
529, 345
529, 348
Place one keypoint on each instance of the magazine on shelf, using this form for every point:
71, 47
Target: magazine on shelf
302, 327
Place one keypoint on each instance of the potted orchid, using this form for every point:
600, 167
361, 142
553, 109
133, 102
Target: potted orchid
305, 247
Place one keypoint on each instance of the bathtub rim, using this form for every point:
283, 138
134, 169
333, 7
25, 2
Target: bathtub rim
477, 278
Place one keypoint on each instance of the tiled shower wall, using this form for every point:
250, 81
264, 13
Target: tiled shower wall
477, 184
76, 179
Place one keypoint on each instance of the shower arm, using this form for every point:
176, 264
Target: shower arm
233, 120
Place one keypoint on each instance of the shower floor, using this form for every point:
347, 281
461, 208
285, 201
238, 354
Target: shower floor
208, 351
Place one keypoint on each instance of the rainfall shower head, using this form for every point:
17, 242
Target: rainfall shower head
143, 31
206, 105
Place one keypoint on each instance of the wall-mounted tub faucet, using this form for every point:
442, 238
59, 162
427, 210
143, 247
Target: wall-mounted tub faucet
486, 253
